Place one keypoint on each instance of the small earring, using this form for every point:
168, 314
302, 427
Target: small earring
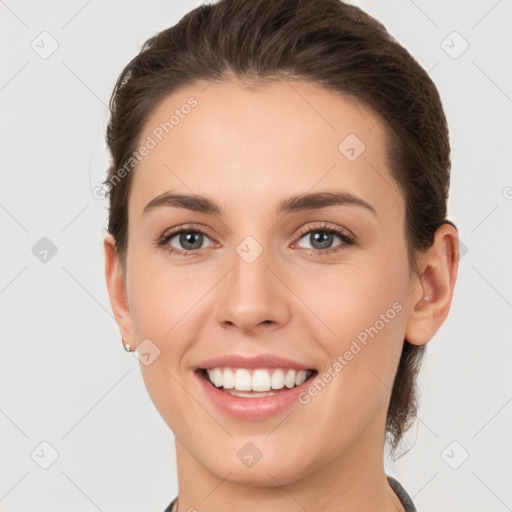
427, 298
126, 346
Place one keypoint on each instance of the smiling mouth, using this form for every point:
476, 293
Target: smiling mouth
255, 382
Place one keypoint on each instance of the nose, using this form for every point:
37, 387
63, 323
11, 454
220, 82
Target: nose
253, 296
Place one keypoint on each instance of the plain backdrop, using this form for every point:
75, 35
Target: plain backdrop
73, 400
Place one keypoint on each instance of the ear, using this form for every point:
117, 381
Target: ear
438, 268
117, 290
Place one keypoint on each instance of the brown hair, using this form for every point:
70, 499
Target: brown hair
326, 42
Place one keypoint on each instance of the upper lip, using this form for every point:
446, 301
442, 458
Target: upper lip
260, 361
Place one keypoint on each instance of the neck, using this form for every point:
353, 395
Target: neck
352, 481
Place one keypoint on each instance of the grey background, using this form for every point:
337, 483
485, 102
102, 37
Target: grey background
65, 379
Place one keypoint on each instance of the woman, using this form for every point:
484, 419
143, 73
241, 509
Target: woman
279, 252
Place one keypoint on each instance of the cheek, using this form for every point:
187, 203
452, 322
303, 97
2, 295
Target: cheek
162, 310
364, 309
162, 299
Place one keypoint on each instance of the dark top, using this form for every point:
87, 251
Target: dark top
404, 498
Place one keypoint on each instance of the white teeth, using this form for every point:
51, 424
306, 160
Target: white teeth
261, 379
301, 377
228, 380
243, 381
289, 380
217, 377
277, 381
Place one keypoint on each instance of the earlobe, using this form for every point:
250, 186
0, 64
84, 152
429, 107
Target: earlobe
117, 289
432, 291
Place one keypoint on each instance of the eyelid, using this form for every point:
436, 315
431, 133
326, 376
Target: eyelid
164, 239
346, 236
186, 227
303, 230
327, 226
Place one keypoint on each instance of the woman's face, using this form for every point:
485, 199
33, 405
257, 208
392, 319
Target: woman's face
262, 275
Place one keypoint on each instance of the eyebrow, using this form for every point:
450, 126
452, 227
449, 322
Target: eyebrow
297, 203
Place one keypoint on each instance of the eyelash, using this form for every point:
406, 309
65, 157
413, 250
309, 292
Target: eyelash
320, 227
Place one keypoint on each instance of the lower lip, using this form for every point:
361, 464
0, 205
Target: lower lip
252, 408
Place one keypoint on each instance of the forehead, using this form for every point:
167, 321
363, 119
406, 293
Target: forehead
254, 145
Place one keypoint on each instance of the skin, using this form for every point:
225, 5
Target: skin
247, 150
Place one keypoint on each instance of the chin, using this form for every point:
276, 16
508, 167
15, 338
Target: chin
245, 465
